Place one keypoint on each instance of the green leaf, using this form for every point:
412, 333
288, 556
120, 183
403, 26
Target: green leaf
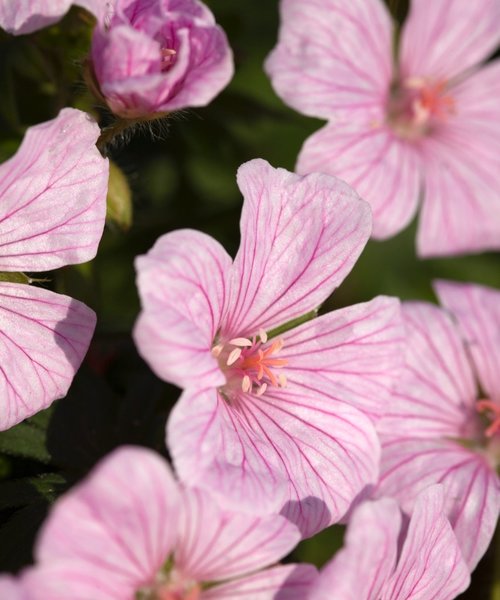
29, 490
15, 278
25, 440
119, 201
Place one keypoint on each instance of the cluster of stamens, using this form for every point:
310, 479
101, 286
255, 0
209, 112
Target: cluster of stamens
416, 104
167, 58
250, 364
492, 411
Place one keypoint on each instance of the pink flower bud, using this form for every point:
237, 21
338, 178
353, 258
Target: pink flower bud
156, 56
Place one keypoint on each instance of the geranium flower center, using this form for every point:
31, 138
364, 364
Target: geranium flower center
492, 412
416, 105
250, 364
170, 585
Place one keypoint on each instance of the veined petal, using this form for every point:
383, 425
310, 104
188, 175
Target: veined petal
289, 449
44, 337
431, 564
214, 446
332, 56
471, 486
441, 40
215, 544
211, 68
53, 196
352, 354
461, 211
283, 269
118, 526
183, 287
477, 310
383, 169
435, 394
284, 581
66, 579
361, 568
26, 16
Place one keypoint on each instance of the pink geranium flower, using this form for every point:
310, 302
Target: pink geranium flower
443, 424
130, 532
380, 562
156, 56
52, 211
268, 416
426, 123
25, 16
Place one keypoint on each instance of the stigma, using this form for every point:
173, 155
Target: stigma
492, 411
250, 364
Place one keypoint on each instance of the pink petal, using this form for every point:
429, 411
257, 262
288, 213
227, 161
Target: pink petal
431, 564
216, 544
284, 581
64, 580
471, 486
283, 269
352, 354
25, 16
210, 69
11, 588
436, 392
383, 169
115, 530
477, 310
216, 449
360, 570
44, 337
183, 288
53, 193
461, 211
440, 40
302, 452
332, 56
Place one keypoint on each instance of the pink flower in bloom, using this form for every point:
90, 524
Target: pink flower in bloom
25, 16
156, 56
428, 122
129, 532
379, 562
267, 418
443, 424
52, 211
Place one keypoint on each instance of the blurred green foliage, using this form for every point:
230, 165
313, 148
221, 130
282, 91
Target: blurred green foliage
180, 173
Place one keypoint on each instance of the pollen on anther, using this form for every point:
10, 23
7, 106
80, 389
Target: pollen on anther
246, 384
262, 335
216, 350
261, 389
233, 356
282, 380
240, 342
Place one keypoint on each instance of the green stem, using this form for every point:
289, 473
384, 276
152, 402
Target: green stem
108, 134
293, 323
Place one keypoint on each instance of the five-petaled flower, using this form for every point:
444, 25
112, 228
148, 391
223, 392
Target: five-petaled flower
384, 560
130, 532
272, 418
442, 424
52, 212
427, 123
